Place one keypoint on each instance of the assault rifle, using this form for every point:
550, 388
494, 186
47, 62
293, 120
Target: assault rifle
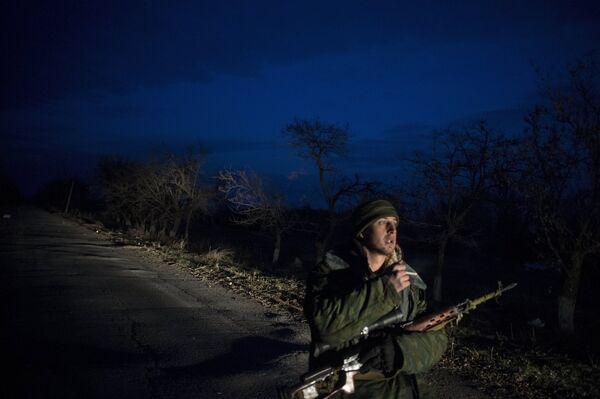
349, 364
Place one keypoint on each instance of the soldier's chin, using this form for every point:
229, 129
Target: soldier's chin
383, 251
389, 249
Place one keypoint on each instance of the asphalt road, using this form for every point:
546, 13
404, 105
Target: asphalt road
83, 318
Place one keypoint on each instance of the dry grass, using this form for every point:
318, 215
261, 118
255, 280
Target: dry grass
219, 266
510, 369
215, 257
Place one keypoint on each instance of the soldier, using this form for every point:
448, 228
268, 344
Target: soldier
357, 283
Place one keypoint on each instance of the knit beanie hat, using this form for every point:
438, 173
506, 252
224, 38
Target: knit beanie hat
368, 212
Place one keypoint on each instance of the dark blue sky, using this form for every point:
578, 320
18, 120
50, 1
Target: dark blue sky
82, 79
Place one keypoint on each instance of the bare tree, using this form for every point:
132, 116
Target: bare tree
452, 181
155, 196
193, 197
321, 143
253, 205
117, 178
561, 179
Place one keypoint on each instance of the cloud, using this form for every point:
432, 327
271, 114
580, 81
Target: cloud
70, 48
409, 131
296, 174
507, 120
386, 153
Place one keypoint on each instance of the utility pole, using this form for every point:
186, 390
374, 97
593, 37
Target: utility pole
69, 196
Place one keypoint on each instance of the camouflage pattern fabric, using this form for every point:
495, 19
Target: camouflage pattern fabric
343, 296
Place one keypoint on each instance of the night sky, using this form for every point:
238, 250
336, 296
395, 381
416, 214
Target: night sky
84, 79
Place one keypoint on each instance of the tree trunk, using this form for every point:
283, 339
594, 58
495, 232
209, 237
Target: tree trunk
175, 228
439, 268
323, 245
325, 242
161, 228
568, 296
277, 249
188, 220
320, 250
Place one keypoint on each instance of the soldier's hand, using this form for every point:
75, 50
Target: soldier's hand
379, 352
399, 277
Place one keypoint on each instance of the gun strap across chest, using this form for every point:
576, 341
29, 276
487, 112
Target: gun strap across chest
371, 376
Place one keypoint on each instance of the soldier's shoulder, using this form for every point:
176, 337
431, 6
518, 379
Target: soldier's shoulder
335, 261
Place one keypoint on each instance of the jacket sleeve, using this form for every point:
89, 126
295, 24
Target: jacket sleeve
338, 315
421, 350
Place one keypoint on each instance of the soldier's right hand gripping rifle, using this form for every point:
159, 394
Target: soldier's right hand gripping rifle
349, 363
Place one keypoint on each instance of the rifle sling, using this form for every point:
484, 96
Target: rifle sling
371, 375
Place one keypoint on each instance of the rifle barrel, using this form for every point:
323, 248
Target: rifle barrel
509, 287
477, 301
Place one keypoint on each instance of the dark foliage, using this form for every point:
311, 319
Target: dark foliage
55, 196
10, 195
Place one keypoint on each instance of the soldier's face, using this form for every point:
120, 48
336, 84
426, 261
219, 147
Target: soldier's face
380, 236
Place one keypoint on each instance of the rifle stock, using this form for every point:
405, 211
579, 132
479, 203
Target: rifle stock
437, 321
433, 322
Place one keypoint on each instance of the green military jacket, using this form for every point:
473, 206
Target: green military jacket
343, 296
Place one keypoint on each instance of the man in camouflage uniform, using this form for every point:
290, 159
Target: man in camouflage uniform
356, 284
